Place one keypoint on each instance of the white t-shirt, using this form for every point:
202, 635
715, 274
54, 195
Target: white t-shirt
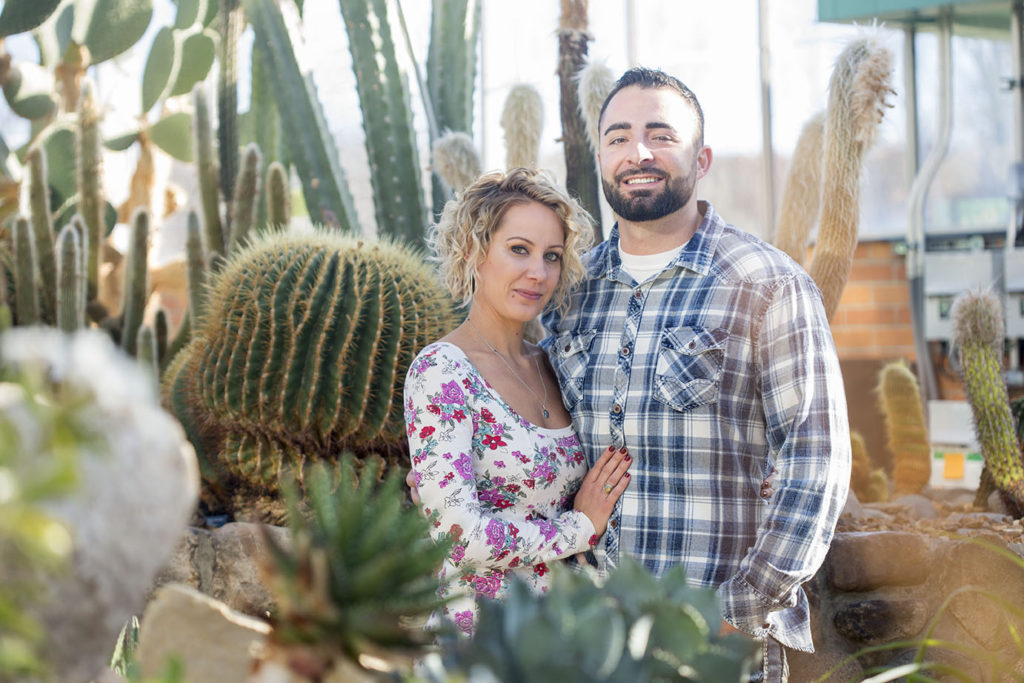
642, 267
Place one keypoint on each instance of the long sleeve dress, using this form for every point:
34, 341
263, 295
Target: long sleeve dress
500, 485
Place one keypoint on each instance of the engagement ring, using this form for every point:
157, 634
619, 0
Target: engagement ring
608, 488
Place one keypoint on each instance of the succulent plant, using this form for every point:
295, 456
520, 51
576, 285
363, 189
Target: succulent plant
860, 469
900, 401
634, 627
302, 351
801, 196
978, 331
359, 568
522, 118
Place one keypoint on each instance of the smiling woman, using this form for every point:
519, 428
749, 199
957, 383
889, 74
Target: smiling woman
494, 455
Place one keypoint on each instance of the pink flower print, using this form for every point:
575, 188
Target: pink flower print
543, 471
540, 569
459, 416
547, 529
487, 415
458, 552
464, 466
487, 586
432, 408
593, 540
495, 533
464, 622
498, 481
451, 393
499, 463
426, 431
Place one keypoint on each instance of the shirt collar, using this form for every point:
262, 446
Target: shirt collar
695, 255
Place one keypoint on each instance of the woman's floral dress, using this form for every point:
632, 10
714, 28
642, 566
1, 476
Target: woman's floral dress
500, 485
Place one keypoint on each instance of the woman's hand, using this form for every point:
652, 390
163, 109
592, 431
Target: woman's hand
602, 486
414, 492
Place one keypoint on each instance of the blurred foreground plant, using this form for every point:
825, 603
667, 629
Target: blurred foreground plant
359, 569
634, 627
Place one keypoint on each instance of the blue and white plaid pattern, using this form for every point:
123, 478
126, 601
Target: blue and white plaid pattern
714, 373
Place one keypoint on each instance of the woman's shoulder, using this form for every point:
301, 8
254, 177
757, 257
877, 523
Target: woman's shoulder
442, 355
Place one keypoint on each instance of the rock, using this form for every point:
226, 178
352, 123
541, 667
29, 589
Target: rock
237, 551
918, 506
225, 564
215, 643
861, 561
879, 621
995, 503
137, 486
811, 666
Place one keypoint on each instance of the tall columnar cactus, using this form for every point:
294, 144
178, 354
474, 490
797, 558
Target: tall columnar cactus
227, 100
195, 266
523, 120
26, 274
246, 196
860, 470
89, 172
42, 228
135, 281
279, 199
302, 352
857, 92
594, 83
978, 333
456, 160
71, 292
311, 147
580, 172
900, 401
451, 72
387, 121
801, 197
208, 169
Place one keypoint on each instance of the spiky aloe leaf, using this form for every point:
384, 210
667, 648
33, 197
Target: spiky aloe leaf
359, 566
311, 146
19, 16
387, 121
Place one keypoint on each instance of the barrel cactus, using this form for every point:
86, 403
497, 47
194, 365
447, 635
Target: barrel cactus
978, 333
302, 352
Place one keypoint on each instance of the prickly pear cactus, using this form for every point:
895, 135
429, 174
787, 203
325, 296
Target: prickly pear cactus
978, 336
302, 351
900, 401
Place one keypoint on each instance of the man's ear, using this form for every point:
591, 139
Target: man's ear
703, 161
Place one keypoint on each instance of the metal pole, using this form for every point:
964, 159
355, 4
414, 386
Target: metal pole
631, 33
767, 153
915, 210
911, 151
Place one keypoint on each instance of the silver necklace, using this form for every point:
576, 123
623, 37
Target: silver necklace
544, 403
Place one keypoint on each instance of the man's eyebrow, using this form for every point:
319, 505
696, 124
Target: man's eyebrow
653, 125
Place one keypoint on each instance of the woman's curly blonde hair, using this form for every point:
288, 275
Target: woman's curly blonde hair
461, 238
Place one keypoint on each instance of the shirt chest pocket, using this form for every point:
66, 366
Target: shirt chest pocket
573, 353
689, 368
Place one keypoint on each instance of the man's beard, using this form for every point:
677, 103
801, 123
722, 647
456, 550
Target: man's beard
649, 206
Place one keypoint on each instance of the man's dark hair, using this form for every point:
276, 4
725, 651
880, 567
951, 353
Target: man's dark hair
643, 77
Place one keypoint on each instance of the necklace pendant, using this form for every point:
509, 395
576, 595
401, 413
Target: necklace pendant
546, 413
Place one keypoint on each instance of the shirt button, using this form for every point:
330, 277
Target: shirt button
638, 294
616, 409
566, 349
614, 524
691, 345
625, 350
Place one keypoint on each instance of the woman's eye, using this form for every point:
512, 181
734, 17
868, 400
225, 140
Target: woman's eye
553, 256
518, 249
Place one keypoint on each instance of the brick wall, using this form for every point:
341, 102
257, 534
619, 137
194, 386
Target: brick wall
872, 320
